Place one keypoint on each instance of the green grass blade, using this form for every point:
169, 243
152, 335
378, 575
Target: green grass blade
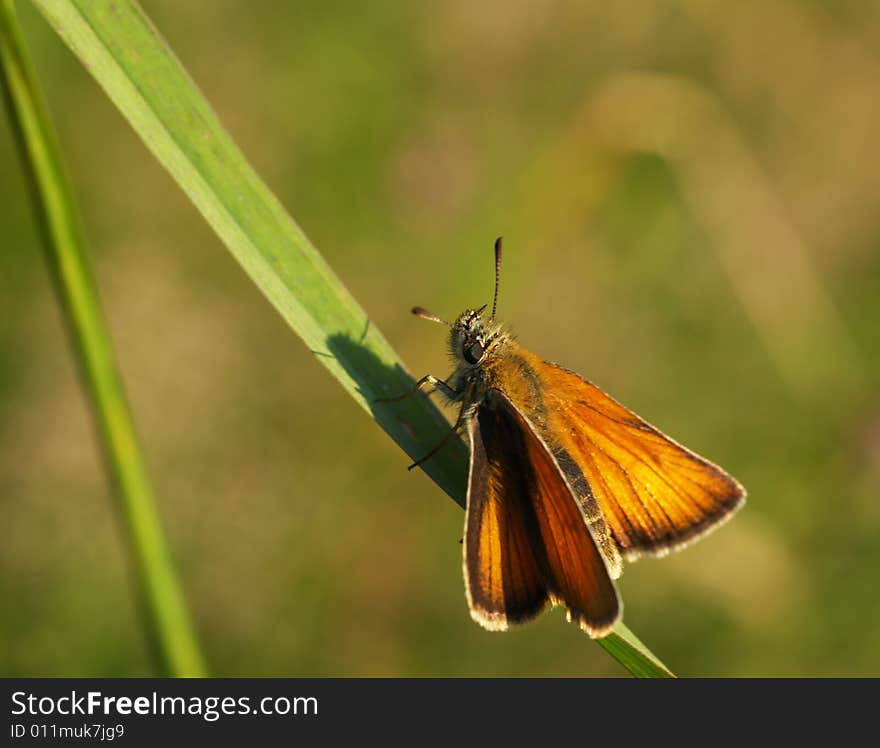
121, 49
625, 647
163, 601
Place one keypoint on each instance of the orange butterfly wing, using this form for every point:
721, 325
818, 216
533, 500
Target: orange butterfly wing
526, 539
655, 496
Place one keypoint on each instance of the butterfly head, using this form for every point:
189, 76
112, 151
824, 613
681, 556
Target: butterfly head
472, 337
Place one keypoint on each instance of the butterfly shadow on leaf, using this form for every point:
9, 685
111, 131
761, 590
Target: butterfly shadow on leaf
415, 423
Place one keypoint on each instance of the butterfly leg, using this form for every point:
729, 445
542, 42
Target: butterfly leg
463, 415
428, 379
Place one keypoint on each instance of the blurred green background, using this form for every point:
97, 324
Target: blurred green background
691, 210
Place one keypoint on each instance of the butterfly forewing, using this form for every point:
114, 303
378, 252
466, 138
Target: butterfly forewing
526, 538
654, 494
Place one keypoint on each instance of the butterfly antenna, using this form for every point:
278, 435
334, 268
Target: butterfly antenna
497, 274
430, 316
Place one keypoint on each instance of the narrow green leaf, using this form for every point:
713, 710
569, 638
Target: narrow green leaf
119, 46
125, 54
167, 618
625, 647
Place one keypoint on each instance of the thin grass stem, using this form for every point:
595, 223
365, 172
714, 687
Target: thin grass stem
165, 611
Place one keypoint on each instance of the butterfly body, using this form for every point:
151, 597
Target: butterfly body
564, 483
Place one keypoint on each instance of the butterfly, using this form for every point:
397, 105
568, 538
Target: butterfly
564, 483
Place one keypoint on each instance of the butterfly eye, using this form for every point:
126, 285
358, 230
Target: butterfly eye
473, 353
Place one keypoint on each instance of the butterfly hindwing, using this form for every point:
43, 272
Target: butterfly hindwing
526, 538
502, 578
